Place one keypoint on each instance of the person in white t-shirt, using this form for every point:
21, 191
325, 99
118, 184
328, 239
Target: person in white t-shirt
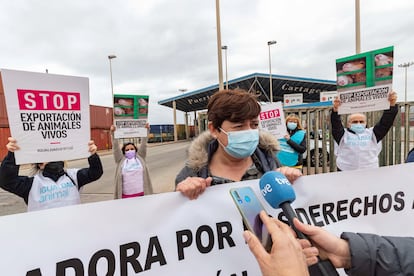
132, 178
52, 185
357, 146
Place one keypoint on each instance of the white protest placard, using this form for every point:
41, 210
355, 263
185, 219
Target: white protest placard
172, 235
48, 115
364, 99
292, 99
365, 80
130, 115
272, 119
128, 128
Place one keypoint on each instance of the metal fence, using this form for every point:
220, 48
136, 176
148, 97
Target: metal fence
320, 157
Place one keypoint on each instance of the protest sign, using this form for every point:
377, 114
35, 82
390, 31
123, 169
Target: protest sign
172, 235
272, 119
48, 115
365, 80
181, 235
130, 115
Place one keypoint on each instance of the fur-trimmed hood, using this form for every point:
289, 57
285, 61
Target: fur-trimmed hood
198, 150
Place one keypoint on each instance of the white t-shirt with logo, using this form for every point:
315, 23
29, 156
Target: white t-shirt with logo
46, 193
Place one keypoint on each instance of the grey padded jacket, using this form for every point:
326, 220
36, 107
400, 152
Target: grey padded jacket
380, 255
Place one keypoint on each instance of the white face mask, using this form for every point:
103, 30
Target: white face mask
292, 125
358, 128
242, 143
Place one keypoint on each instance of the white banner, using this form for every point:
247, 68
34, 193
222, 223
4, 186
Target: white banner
167, 234
48, 115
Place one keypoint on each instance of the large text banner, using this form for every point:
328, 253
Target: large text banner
167, 234
48, 115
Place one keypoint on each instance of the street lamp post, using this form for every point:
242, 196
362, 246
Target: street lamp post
220, 65
225, 60
357, 27
110, 57
269, 43
405, 66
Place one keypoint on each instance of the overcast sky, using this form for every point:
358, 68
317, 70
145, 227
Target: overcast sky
163, 46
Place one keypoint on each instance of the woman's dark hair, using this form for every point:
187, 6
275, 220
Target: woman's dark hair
126, 144
233, 105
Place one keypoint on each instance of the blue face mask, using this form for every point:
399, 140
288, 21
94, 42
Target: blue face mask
357, 128
292, 125
241, 144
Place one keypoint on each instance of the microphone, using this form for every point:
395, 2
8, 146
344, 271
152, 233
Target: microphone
278, 192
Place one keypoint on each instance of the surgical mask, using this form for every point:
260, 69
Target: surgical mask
292, 125
130, 154
357, 128
241, 144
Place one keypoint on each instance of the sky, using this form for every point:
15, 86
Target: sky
165, 46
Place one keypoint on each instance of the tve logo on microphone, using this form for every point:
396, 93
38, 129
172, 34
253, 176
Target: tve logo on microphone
272, 177
276, 188
282, 180
266, 189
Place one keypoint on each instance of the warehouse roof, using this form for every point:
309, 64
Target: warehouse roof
255, 83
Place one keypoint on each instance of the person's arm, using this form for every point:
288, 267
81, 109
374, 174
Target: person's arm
324, 244
95, 170
291, 173
193, 187
337, 127
116, 150
380, 255
9, 178
387, 119
142, 151
300, 148
286, 257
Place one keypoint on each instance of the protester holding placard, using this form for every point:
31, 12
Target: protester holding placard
51, 186
357, 146
293, 144
132, 178
233, 149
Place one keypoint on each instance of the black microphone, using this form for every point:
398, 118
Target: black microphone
278, 192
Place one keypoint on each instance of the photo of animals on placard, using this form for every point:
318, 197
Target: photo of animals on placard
365, 70
131, 106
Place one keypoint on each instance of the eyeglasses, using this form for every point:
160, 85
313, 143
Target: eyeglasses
356, 122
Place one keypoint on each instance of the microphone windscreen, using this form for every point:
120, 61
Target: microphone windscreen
276, 189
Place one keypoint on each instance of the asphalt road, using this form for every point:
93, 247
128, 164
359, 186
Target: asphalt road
164, 162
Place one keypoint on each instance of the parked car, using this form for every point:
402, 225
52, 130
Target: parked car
318, 150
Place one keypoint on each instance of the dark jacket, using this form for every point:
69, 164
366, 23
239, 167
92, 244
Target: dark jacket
379, 255
204, 146
21, 185
299, 148
410, 156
